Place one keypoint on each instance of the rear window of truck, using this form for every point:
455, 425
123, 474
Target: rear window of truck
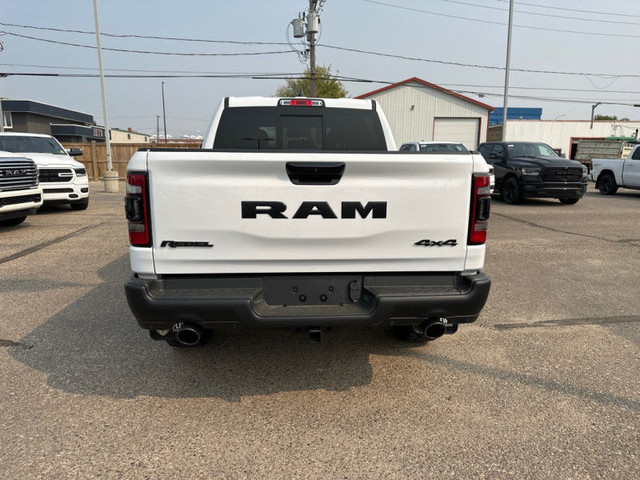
299, 128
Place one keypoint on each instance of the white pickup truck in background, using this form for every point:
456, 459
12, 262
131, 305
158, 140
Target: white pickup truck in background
300, 213
612, 173
20, 192
63, 179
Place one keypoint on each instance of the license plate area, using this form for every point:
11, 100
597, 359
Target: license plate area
292, 290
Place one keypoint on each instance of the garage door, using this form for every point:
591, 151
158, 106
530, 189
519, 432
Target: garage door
464, 130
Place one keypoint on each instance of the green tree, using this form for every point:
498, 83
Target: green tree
605, 117
327, 86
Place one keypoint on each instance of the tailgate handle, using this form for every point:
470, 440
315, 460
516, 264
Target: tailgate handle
315, 173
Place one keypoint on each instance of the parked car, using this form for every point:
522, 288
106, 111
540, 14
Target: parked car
534, 169
611, 173
63, 179
444, 147
20, 193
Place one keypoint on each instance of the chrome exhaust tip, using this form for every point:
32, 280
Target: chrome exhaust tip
434, 330
188, 335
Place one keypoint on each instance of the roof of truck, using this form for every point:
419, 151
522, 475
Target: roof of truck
273, 102
20, 134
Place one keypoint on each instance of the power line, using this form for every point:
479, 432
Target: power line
146, 52
346, 79
552, 15
150, 37
354, 50
59, 67
489, 67
491, 22
551, 99
541, 88
283, 75
572, 9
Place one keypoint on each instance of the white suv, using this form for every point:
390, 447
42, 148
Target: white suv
63, 179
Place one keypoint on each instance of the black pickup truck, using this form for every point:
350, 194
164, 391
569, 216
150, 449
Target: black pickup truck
532, 169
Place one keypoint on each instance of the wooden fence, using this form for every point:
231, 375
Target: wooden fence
94, 155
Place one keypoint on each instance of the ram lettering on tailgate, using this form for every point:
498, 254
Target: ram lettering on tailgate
306, 209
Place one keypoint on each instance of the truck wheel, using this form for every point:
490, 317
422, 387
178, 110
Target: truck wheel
80, 204
407, 333
12, 222
511, 191
607, 184
569, 201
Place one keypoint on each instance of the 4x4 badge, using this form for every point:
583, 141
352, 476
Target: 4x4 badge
435, 243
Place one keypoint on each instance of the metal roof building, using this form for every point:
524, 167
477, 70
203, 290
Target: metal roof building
421, 111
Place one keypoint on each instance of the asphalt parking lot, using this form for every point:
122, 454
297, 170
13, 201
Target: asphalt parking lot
544, 385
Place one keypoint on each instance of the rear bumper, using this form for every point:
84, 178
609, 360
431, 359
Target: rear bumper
554, 189
274, 301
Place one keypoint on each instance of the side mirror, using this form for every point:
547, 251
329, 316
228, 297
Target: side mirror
563, 155
74, 152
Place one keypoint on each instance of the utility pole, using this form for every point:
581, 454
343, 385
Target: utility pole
1, 117
506, 73
311, 36
110, 177
157, 128
164, 115
1, 112
593, 109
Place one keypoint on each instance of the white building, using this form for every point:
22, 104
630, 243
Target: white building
128, 136
421, 111
564, 134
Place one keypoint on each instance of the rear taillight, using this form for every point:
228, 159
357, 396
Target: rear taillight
137, 210
480, 209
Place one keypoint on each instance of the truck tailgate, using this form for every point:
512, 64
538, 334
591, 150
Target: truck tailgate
198, 196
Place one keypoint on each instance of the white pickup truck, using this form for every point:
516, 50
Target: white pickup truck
20, 192
63, 179
612, 173
300, 213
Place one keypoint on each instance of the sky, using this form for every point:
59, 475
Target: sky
590, 45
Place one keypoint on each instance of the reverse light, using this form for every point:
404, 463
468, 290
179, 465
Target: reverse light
136, 205
480, 210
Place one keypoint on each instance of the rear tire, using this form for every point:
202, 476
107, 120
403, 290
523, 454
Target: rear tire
607, 184
12, 222
80, 204
569, 201
511, 191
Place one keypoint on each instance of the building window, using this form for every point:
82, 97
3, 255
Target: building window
7, 121
128, 136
